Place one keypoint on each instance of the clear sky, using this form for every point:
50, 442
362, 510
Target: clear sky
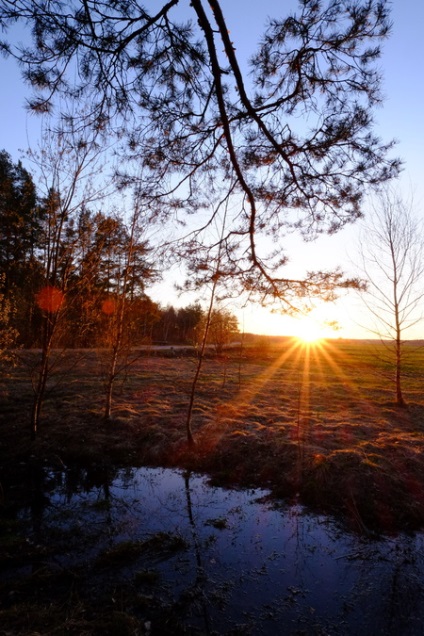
401, 117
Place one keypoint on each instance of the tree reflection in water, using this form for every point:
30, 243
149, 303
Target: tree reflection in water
214, 559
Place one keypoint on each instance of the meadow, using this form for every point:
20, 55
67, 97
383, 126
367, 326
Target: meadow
315, 424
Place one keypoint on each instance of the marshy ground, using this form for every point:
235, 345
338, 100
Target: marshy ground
316, 421
315, 425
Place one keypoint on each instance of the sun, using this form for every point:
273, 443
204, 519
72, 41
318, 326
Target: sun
309, 331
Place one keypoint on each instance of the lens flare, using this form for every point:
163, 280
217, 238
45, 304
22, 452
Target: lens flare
50, 299
108, 306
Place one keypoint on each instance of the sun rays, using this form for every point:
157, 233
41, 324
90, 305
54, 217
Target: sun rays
304, 404
306, 372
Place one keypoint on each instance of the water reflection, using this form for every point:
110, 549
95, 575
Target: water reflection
226, 560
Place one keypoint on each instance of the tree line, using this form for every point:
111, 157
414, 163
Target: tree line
97, 263
71, 277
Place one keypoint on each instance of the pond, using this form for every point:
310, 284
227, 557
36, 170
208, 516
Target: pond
183, 556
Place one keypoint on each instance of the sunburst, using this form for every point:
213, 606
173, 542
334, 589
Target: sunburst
309, 331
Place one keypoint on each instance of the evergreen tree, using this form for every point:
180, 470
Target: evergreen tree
286, 139
21, 219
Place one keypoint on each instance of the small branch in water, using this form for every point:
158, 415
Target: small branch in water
350, 555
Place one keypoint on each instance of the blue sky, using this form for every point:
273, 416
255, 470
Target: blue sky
401, 117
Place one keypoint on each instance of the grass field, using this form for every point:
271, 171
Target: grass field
316, 424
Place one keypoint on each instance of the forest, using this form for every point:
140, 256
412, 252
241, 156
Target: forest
77, 268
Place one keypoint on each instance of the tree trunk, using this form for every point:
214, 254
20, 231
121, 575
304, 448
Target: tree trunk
399, 396
398, 345
110, 382
40, 389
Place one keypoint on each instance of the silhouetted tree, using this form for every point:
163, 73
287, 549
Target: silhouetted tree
127, 274
20, 221
20, 241
213, 269
85, 292
99, 250
64, 164
289, 139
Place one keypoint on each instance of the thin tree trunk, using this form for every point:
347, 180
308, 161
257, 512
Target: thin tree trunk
116, 348
43, 374
120, 319
39, 396
241, 355
400, 401
190, 438
215, 279
110, 383
398, 343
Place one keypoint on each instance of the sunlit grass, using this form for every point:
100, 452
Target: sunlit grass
317, 419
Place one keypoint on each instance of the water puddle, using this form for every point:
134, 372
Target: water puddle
218, 561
